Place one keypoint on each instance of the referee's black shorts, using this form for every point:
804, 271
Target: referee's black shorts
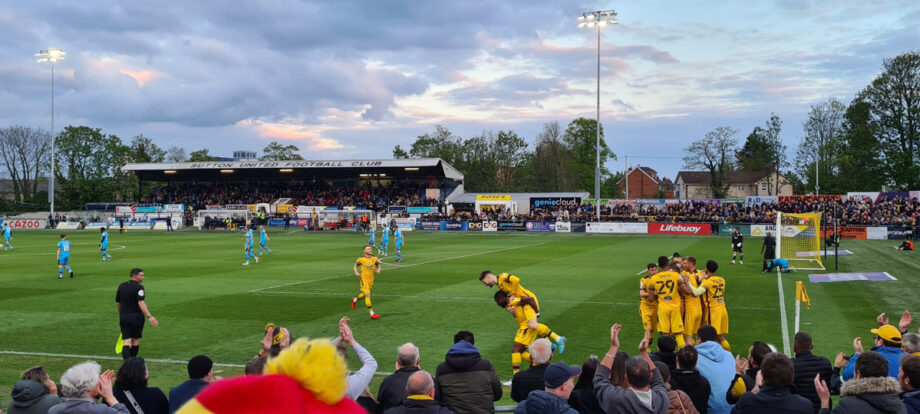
770, 254
132, 325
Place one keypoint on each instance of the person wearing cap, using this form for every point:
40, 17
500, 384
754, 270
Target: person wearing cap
646, 393
200, 374
887, 343
558, 380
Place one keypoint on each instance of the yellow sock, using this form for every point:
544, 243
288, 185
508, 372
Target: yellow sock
543, 331
726, 346
680, 341
367, 301
525, 356
515, 362
360, 296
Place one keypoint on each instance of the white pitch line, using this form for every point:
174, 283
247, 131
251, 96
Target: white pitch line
463, 298
400, 266
120, 247
782, 312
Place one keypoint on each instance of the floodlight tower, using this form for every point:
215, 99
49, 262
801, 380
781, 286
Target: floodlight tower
51, 55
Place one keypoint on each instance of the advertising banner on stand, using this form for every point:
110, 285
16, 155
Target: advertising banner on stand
606, 227
173, 208
728, 229
900, 233
303, 222
563, 227
24, 224
579, 227
511, 225
700, 229
489, 226
431, 225
877, 233
553, 203
540, 226
848, 232
758, 200
761, 230
455, 225
475, 226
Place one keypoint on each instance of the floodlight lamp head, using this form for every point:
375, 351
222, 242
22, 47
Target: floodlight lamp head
51, 55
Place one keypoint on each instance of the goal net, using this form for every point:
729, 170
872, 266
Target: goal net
798, 240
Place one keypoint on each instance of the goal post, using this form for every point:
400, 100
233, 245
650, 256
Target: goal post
798, 240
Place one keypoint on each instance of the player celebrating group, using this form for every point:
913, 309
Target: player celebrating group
247, 246
104, 244
525, 307
737, 241
664, 286
370, 266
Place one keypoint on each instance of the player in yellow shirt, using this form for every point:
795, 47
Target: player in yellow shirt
369, 266
715, 297
693, 308
665, 286
648, 304
529, 329
510, 284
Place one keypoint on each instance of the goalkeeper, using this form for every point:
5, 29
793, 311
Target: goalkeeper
783, 264
737, 241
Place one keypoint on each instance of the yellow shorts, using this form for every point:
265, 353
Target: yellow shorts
693, 318
649, 319
719, 320
670, 321
525, 336
366, 285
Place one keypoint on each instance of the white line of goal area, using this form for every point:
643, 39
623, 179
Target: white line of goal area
119, 358
782, 312
262, 290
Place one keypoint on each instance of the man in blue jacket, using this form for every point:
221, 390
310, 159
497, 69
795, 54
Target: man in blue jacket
200, 374
718, 366
887, 343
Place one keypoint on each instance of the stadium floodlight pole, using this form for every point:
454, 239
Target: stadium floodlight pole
598, 20
51, 55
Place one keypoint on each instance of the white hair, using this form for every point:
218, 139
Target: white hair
80, 379
541, 351
911, 342
407, 355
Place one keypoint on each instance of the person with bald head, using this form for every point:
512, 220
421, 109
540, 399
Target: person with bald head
392, 390
419, 396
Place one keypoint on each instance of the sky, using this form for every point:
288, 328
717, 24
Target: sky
352, 79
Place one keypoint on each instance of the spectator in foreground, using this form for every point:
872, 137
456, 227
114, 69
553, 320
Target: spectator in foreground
276, 339
687, 379
35, 393
678, 401
357, 381
131, 389
870, 391
645, 393
200, 374
81, 385
582, 398
419, 399
667, 346
910, 343
746, 370
773, 390
716, 365
887, 344
255, 366
541, 352
910, 380
807, 366
467, 383
559, 380
392, 390
288, 386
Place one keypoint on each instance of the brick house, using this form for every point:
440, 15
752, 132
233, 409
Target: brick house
644, 183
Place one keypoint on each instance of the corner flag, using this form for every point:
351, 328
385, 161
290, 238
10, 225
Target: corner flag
801, 295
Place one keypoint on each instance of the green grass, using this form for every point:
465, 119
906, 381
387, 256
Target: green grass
207, 303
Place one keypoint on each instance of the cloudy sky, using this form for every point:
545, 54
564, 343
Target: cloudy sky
351, 79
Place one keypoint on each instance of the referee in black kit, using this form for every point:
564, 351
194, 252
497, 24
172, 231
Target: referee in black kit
132, 312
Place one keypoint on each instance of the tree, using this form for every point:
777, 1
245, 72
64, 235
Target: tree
509, 151
764, 152
200, 155
861, 169
551, 159
142, 149
581, 137
175, 154
26, 153
821, 143
277, 152
90, 166
441, 144
399, 153
714, 153
894, 103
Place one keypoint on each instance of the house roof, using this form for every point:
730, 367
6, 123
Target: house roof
650, 173
734, 177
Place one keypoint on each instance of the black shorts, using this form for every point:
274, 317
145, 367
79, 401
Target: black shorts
770, 254
737, 249
132, 325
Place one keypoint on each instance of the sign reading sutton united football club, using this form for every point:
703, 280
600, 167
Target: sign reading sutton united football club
286, 164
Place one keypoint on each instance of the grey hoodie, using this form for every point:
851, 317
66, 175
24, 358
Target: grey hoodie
868, 396
30, 397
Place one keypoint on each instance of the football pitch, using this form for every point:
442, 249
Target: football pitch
207, 303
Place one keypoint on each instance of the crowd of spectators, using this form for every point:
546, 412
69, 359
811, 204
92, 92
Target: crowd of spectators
290, 376
374, 197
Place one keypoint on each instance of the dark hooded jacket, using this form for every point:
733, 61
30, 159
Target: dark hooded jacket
869, 396
542, 402
695, 385
30, 397
465, 382
911, 401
